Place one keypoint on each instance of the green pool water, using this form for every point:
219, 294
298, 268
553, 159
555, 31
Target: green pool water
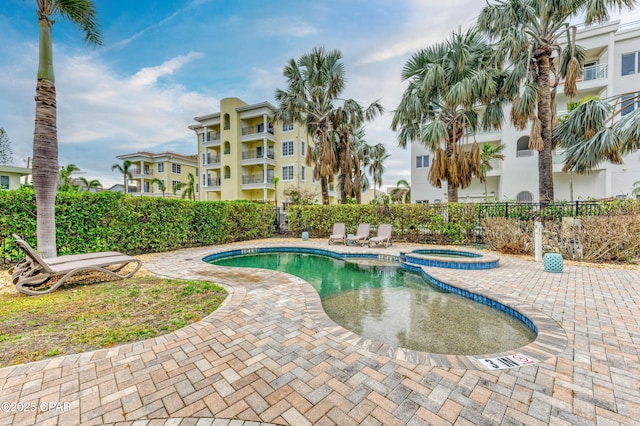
383, 302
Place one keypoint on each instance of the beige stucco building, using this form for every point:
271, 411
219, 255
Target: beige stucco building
171, 168
242, 149
10, 176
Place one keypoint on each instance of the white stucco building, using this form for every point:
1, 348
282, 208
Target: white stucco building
612, 67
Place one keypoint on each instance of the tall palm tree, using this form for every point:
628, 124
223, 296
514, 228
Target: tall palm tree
346, 120
454, 90
161, 186
377, 155
45, 135
366, 158
66, 173
126, 173
90, 184
276, 181
528, 34
487, 154
314, 82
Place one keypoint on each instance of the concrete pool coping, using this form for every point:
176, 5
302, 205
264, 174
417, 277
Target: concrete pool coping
262, 358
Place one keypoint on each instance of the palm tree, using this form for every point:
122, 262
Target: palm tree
45, 135
590, 136
377, 155
189, 187
401, 191
636, 189
454, 90
487, 154
126, 173
161, 186
89, 184
276, 180
65, 184
314, 82
345, 120
528, 34
366, 158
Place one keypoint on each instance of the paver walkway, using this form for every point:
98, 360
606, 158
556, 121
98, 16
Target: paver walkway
269, 355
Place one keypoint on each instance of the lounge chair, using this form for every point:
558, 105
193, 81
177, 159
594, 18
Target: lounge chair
362, 235
337, 234
383, 237
34, 271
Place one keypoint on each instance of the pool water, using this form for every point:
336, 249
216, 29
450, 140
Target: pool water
446, 253
383, 302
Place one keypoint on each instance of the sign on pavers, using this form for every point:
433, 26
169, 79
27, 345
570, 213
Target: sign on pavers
508, 361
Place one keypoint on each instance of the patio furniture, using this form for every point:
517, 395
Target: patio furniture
338, 233
383, 237
553, 262
34, 271
362, 235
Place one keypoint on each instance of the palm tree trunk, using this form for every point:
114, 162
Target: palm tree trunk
45, 146
545, 160
452, 190
324, 185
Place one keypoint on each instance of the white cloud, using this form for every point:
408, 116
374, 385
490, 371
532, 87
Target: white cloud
287, 26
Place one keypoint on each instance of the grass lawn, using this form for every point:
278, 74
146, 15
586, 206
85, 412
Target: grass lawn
79, 318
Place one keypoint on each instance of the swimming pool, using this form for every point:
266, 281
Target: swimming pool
381, 301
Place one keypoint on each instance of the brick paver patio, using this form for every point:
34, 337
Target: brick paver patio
269, 355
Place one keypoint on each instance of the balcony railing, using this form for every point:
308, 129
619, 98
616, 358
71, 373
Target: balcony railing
250, 130
212, 159
524, 153
212, 136
250, 179
144, 172
594, 72
251, 155
211, 182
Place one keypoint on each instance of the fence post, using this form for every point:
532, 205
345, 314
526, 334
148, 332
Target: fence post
506, 210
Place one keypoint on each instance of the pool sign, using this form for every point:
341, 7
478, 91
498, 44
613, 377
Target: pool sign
508, 361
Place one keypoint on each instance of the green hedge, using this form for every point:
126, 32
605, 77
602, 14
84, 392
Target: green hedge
89, 222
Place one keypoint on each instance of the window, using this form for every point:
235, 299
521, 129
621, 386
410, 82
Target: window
227, 172
227, 148
524, 197
287, 148
4, 182
630, 63
629, 103
422, 161
227, 122
287, 173
287, 127
176, 185
147, 187
302, 173
523, 147
303, 150
160, 167
176, 168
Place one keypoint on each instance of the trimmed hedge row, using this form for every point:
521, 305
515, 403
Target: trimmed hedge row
89, 222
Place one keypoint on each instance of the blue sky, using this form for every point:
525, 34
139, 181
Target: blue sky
164, 62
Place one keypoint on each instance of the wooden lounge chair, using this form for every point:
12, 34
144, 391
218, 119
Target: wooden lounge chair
338, 233
362, 235
383, 237
34, 271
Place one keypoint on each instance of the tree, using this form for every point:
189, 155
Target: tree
590, 133
375, 164
189, 187
276, 180
314, 82
126, 173
401, 192
487, 154
347, 120
455, 89
366, 158
90, 184
528, 34
161, 186
65, 183
636, 189
45, 135
6, 153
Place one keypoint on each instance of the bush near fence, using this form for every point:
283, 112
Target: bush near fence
90, 222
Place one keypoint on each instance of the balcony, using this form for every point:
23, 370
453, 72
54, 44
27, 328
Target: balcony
496, 165
257, 182
524, 153
212, 184
250, 133
593, 77
212, 162
254, 157
211, 139
145, 173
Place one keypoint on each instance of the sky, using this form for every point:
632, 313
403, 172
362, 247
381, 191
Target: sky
164, 62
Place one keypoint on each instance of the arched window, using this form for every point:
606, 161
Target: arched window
524, 197
227, 122
227, 147
227, 172
523, 147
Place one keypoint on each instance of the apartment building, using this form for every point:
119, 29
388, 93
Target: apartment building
242, 149
11, 176
170, 168
612, 67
